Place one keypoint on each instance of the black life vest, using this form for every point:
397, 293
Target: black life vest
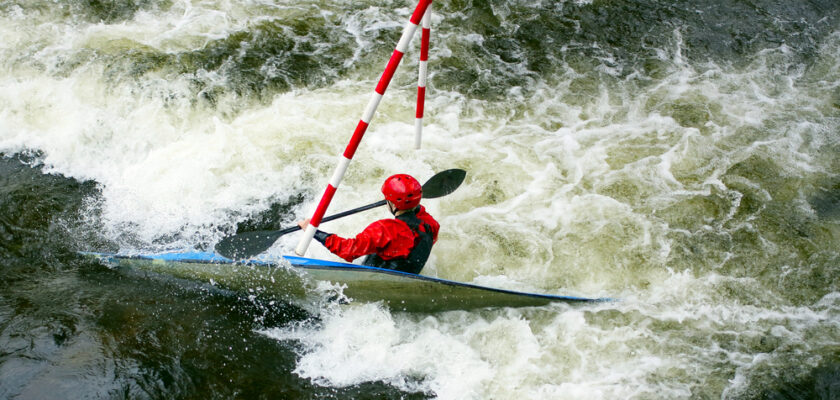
416, 259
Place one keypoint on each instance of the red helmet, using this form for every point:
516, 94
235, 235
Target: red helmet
402, 190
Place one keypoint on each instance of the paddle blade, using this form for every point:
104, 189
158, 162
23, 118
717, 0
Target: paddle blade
248, 244
443, 183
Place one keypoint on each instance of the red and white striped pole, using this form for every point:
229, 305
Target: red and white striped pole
408, 32
421, 81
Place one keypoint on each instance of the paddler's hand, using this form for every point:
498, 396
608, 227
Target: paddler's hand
303, 224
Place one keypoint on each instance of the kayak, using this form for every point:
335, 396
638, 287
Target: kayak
295, 279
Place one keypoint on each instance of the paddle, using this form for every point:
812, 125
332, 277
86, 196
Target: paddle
248, 244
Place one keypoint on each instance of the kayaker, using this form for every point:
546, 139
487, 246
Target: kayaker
402, 243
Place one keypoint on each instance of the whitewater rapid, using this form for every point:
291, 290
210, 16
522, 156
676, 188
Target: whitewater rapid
691, 189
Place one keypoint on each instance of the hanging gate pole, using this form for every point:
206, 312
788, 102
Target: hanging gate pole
421, 80
373, 103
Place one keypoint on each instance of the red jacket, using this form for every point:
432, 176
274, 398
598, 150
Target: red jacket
389, 238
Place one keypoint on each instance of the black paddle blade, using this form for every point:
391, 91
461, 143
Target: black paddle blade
443, 183
248, 244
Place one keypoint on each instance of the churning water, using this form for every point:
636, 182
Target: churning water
681, 156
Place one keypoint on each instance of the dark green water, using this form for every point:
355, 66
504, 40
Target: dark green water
681, 156
75, 329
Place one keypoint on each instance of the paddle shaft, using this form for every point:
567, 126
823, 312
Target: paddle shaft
249, 244
335, 216
246, 245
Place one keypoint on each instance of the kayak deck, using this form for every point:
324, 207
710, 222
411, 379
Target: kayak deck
400, 291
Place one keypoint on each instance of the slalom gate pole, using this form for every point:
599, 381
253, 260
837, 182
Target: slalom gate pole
408, 32
421, 80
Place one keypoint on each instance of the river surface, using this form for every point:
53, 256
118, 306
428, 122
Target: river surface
680, 156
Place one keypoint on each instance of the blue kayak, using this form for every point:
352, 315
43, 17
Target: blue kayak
295, 278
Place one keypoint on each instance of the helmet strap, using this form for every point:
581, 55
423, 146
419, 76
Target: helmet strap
393, 209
